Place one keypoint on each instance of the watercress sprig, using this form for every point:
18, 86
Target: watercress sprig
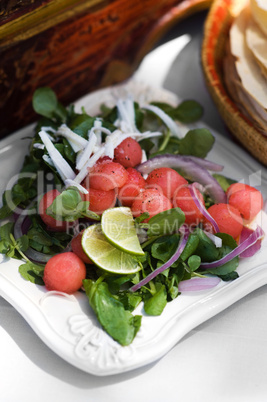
69, 206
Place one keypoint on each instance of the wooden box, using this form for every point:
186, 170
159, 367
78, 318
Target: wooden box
75, 46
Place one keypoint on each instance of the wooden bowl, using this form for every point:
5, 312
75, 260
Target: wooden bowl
75, 47
216, 30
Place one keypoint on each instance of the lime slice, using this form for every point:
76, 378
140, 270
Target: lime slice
105, 255
118, 227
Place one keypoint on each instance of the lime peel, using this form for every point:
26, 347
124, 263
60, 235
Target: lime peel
105, 255
119, 229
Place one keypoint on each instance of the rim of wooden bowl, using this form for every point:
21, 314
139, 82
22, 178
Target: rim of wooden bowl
216, 31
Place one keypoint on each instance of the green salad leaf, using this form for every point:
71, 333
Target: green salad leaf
114, 318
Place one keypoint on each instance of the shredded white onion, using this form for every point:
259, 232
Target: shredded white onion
48, 160
109, 147
38, 146
61, 165
216, 240
126, 113
49, 128
97, 125
87, 152
170, 123
77, 142
90, 163
73, 183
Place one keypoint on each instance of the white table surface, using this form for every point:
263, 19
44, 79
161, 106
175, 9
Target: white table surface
224, 359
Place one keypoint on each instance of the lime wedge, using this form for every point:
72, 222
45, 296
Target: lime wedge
105, 255
118, 227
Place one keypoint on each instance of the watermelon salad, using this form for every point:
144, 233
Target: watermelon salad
85, 177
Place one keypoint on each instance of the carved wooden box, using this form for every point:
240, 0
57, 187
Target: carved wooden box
75, 46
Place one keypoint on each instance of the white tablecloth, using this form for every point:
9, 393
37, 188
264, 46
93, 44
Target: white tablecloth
224, 359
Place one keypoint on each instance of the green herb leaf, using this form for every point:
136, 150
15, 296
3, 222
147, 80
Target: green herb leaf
22, 243
188, 111
142, 217
164, 247
156, 304
68, 206
44, 101
206, 249
119, 323
190, 247
166, 222
197, 142
224, 182
129, 300
32, 272
194, 262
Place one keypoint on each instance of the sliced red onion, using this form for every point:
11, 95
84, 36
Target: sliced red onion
249, 252
192, 169
250, 241
207, 164
196, 283
192, 188
175, 256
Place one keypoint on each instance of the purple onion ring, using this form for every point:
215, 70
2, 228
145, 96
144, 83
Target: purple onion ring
195, 169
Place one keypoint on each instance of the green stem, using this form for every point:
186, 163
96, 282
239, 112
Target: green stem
91, 215
165, 141
17, 248
198, 275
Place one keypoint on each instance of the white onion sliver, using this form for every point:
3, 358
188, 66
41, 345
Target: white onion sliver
73, 183
98, 133
76, 141
87, 152
84, 172
61, 165
126, 114
197, 284
48, 160
216, 240
146, 134
170, 123
49, 128
38, 146
109, 147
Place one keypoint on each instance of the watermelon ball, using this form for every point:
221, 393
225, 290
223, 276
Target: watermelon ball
107, 176
128, 153
131, 188
76, 246
247, 199
183, 199
100, 200
151, 201
64, 272
165, 179
45, 202
228, 219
